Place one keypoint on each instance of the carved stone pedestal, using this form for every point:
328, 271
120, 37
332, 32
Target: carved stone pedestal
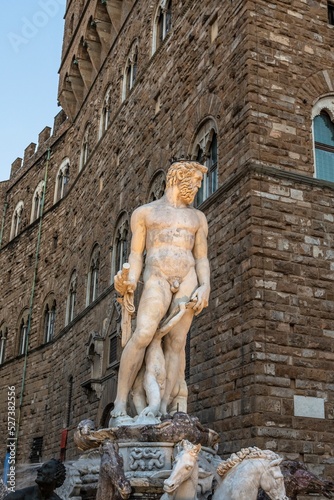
146, 465
137, 459
146, 459
148, 478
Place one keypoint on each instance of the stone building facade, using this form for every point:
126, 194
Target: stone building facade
241, 86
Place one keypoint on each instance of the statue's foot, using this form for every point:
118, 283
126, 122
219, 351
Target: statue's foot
149, 415
118, 412
119, 417
166, 416
150, 411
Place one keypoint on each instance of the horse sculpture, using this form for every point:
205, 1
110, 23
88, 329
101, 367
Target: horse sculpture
182, 483
246, 471
299, 480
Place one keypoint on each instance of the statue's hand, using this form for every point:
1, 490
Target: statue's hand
124, 286
201, 295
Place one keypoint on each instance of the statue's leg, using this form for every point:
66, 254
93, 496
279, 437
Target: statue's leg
179, 395
138, 392
154, 377
174, 348
153, 305
175, 341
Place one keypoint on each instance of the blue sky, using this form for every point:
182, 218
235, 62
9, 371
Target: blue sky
31, 34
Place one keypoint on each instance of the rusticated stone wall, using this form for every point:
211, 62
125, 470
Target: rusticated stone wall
267, 337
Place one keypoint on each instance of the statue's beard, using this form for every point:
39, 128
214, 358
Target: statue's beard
187, 191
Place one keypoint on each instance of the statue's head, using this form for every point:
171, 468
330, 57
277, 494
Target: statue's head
86, 426
187, 175
50, 472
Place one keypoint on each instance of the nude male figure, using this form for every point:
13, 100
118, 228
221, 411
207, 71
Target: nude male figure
174, 235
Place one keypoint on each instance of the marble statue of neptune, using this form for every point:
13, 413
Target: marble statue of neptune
169, 245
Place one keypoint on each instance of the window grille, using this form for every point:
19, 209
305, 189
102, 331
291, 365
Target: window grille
36, 450
113, 349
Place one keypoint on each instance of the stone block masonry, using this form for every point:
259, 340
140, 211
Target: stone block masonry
267, 338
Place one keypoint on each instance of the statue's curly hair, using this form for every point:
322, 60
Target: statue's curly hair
60, 473
186, 167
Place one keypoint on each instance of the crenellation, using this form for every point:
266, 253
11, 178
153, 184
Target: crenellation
29, 152
43, 136
267, 334
16, 166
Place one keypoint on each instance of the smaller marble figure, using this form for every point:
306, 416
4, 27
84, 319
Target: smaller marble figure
50, 476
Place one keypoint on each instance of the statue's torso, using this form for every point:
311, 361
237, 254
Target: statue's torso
170, 239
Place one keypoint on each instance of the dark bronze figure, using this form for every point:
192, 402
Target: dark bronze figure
50, 476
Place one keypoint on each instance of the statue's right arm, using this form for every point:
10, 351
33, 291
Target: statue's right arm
138, 240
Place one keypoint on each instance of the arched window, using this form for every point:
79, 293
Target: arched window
93, 275
3, 340
37, 202
120, 245
157, 186
23, 334
71, 298
105, 113
323, 137
62, 180
130, 72
49, 321
85, 151
17, 220
162, 23
205, 151
105, 418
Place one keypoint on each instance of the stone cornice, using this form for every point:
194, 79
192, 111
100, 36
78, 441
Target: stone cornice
264, 170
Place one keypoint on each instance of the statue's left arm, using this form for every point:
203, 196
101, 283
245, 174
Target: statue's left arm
201, 294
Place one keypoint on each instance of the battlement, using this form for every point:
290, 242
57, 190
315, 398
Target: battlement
43, 137
16, 166
29, 152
